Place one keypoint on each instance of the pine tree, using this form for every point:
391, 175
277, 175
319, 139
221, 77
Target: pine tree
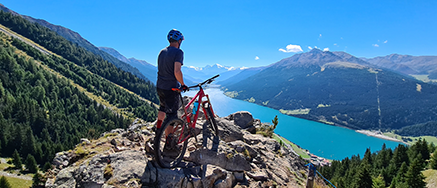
431, 147
37, 180
16, 160
275, 122
4, 183
434, 160
414, 177
362, 179
424, 150
28, 146
31, 165
46, 167
378, 182
367, 159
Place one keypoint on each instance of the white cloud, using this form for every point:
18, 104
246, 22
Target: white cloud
316, 47
385, 41
375, 45
335, 44
325, 49
256, 57
291, 48
320, 35
309, 47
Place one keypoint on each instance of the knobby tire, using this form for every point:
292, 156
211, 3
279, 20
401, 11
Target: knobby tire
170, 158
210, 132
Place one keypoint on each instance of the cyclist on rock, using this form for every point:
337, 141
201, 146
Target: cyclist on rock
170, 61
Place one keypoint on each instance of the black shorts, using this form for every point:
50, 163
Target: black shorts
168, 101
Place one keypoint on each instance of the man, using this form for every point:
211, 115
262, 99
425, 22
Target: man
170, 61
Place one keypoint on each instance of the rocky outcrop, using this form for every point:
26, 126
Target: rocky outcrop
124, 158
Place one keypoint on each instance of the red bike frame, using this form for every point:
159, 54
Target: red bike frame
187, 116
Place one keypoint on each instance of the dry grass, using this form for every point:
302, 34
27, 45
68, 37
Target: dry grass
431, 177
19, 183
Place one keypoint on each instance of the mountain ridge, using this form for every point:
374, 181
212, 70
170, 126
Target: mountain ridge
406, 64
329, 89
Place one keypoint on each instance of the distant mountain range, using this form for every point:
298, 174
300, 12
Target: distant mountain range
338, 88
192, 75
406, 64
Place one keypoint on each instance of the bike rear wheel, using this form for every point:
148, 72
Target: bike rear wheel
169, 148
210, 132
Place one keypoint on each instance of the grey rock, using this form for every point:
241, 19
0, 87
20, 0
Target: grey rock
239, 176
228, 182
147, 133
251, 129
133, 136
236, 162
258, 176
243, 119
85, 141
62, 159
212, 174
244, 148
228, 132
114, 142
64, 179
117, 131
127, 165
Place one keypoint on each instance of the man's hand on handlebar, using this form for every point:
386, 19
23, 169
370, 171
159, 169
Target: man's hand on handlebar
185, 88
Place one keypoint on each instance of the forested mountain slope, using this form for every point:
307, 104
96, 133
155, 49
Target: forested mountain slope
78, 55
326, 87
75, 38
49, 102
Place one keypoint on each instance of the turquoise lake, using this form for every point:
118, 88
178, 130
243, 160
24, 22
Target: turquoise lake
323, 140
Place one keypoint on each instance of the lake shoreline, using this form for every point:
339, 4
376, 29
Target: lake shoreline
296, 128
372, 133
378, 134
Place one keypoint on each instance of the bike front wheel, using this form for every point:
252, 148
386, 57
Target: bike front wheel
210, 132
171, 143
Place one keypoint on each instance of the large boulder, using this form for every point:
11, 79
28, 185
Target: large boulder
231, 162
228, 132
243, 119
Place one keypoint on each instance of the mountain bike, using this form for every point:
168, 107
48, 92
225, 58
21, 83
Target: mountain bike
171, 139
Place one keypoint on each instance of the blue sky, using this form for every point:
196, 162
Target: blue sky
245, 33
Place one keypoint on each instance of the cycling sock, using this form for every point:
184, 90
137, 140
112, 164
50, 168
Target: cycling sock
158, 124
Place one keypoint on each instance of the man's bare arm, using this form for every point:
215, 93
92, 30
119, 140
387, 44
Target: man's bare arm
178, 72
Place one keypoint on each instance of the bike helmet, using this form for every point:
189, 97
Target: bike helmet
175, 35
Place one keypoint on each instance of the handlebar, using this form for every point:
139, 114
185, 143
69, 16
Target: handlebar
208, 81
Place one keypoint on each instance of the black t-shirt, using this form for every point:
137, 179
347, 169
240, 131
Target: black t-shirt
166, 59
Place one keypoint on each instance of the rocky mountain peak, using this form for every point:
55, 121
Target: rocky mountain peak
125, 158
